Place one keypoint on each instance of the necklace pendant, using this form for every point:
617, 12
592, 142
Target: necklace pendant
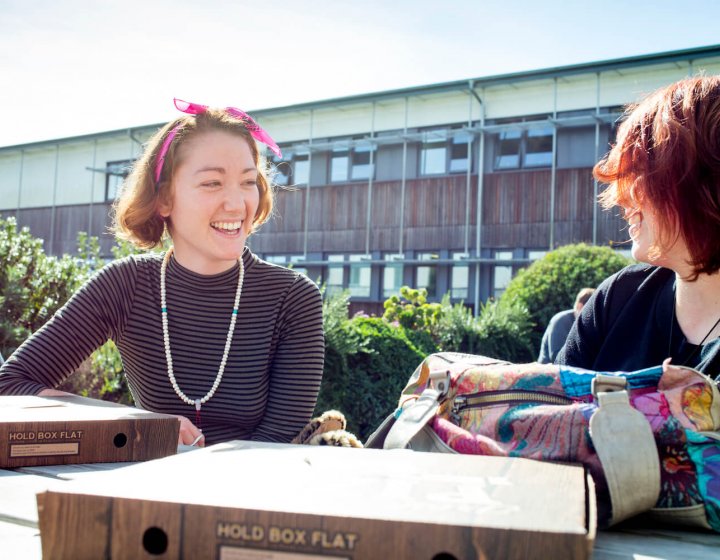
198, 419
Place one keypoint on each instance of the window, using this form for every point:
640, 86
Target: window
508, 155
502, 274
433, 157
115, 173
459, 161
339, 163
392, 276
426, 275
334, 281
538, 148
352, 164
288, 261
537, 254
359, 276
301, 169
524, 149
460, 278
362, 166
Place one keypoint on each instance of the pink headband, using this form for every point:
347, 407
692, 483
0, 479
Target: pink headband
194, 109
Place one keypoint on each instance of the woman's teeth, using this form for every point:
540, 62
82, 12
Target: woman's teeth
227, 226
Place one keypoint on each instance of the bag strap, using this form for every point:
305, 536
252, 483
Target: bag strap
416, 415
626, 447
412, 419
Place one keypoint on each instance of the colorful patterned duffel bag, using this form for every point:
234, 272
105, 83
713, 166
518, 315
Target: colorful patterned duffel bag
649, 438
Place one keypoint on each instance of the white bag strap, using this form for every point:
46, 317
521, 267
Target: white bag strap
417, 414
413, 419
625, 445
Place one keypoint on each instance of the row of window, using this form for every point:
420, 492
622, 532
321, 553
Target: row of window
350, 272
446, 152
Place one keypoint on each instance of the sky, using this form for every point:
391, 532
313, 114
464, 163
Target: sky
73, 67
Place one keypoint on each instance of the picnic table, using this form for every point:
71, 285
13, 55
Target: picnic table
20, 536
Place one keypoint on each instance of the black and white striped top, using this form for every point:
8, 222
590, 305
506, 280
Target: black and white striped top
274, 368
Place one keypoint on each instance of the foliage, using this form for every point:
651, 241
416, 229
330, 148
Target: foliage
339, 341
550, 284
367, 389
411, 310
498, 331
33, 285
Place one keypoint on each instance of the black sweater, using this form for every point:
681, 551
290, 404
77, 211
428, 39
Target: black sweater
625, 326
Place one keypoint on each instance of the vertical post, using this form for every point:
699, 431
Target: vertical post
553, 169
92, 187
403, 178
597, 155
51, 250
466, 246
20, 179
307, 188
479, 202
370, 181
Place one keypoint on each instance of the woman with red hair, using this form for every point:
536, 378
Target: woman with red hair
664, 173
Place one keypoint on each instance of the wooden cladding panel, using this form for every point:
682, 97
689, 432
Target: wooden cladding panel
516, 213
69, 220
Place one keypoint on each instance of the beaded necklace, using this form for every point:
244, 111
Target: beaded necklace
166, 337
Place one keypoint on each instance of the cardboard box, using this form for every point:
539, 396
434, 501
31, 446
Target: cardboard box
37, 431
245, 500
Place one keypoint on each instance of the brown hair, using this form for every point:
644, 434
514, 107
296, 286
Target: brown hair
583, 296
667, 156
135, 213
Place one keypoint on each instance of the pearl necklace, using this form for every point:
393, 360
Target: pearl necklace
197, 402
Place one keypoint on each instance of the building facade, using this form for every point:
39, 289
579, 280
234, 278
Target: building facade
452, 187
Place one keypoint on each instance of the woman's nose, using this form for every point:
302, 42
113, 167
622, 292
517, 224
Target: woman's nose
234, 198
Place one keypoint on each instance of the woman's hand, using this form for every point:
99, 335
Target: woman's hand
189, 433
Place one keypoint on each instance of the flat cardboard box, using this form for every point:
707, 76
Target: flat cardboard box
246, 500
39, 431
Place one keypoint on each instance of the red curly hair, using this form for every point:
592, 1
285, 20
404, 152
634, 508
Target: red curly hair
667, 156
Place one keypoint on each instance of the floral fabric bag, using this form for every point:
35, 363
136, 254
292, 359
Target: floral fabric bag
649, 438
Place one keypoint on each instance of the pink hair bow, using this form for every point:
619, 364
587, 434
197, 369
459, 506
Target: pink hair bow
255, 130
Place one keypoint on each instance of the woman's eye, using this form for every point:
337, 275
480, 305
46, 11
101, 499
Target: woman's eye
211, 184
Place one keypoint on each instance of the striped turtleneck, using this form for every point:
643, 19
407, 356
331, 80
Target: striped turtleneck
274, 369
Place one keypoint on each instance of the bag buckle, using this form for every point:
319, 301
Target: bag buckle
608, 384
440, 381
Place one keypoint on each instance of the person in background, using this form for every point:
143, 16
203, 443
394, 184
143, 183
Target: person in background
559, 326
664, 173
207, 331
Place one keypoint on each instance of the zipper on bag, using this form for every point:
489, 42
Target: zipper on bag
492, 398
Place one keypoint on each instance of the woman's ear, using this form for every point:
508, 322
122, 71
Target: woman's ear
164, 204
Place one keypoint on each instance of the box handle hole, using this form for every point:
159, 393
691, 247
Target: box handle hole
120, 440
155, 540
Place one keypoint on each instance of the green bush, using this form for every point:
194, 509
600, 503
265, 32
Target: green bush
368, 387
550, 284
500, 331
33, 285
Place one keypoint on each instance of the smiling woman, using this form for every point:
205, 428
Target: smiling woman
664, 172
229, 343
